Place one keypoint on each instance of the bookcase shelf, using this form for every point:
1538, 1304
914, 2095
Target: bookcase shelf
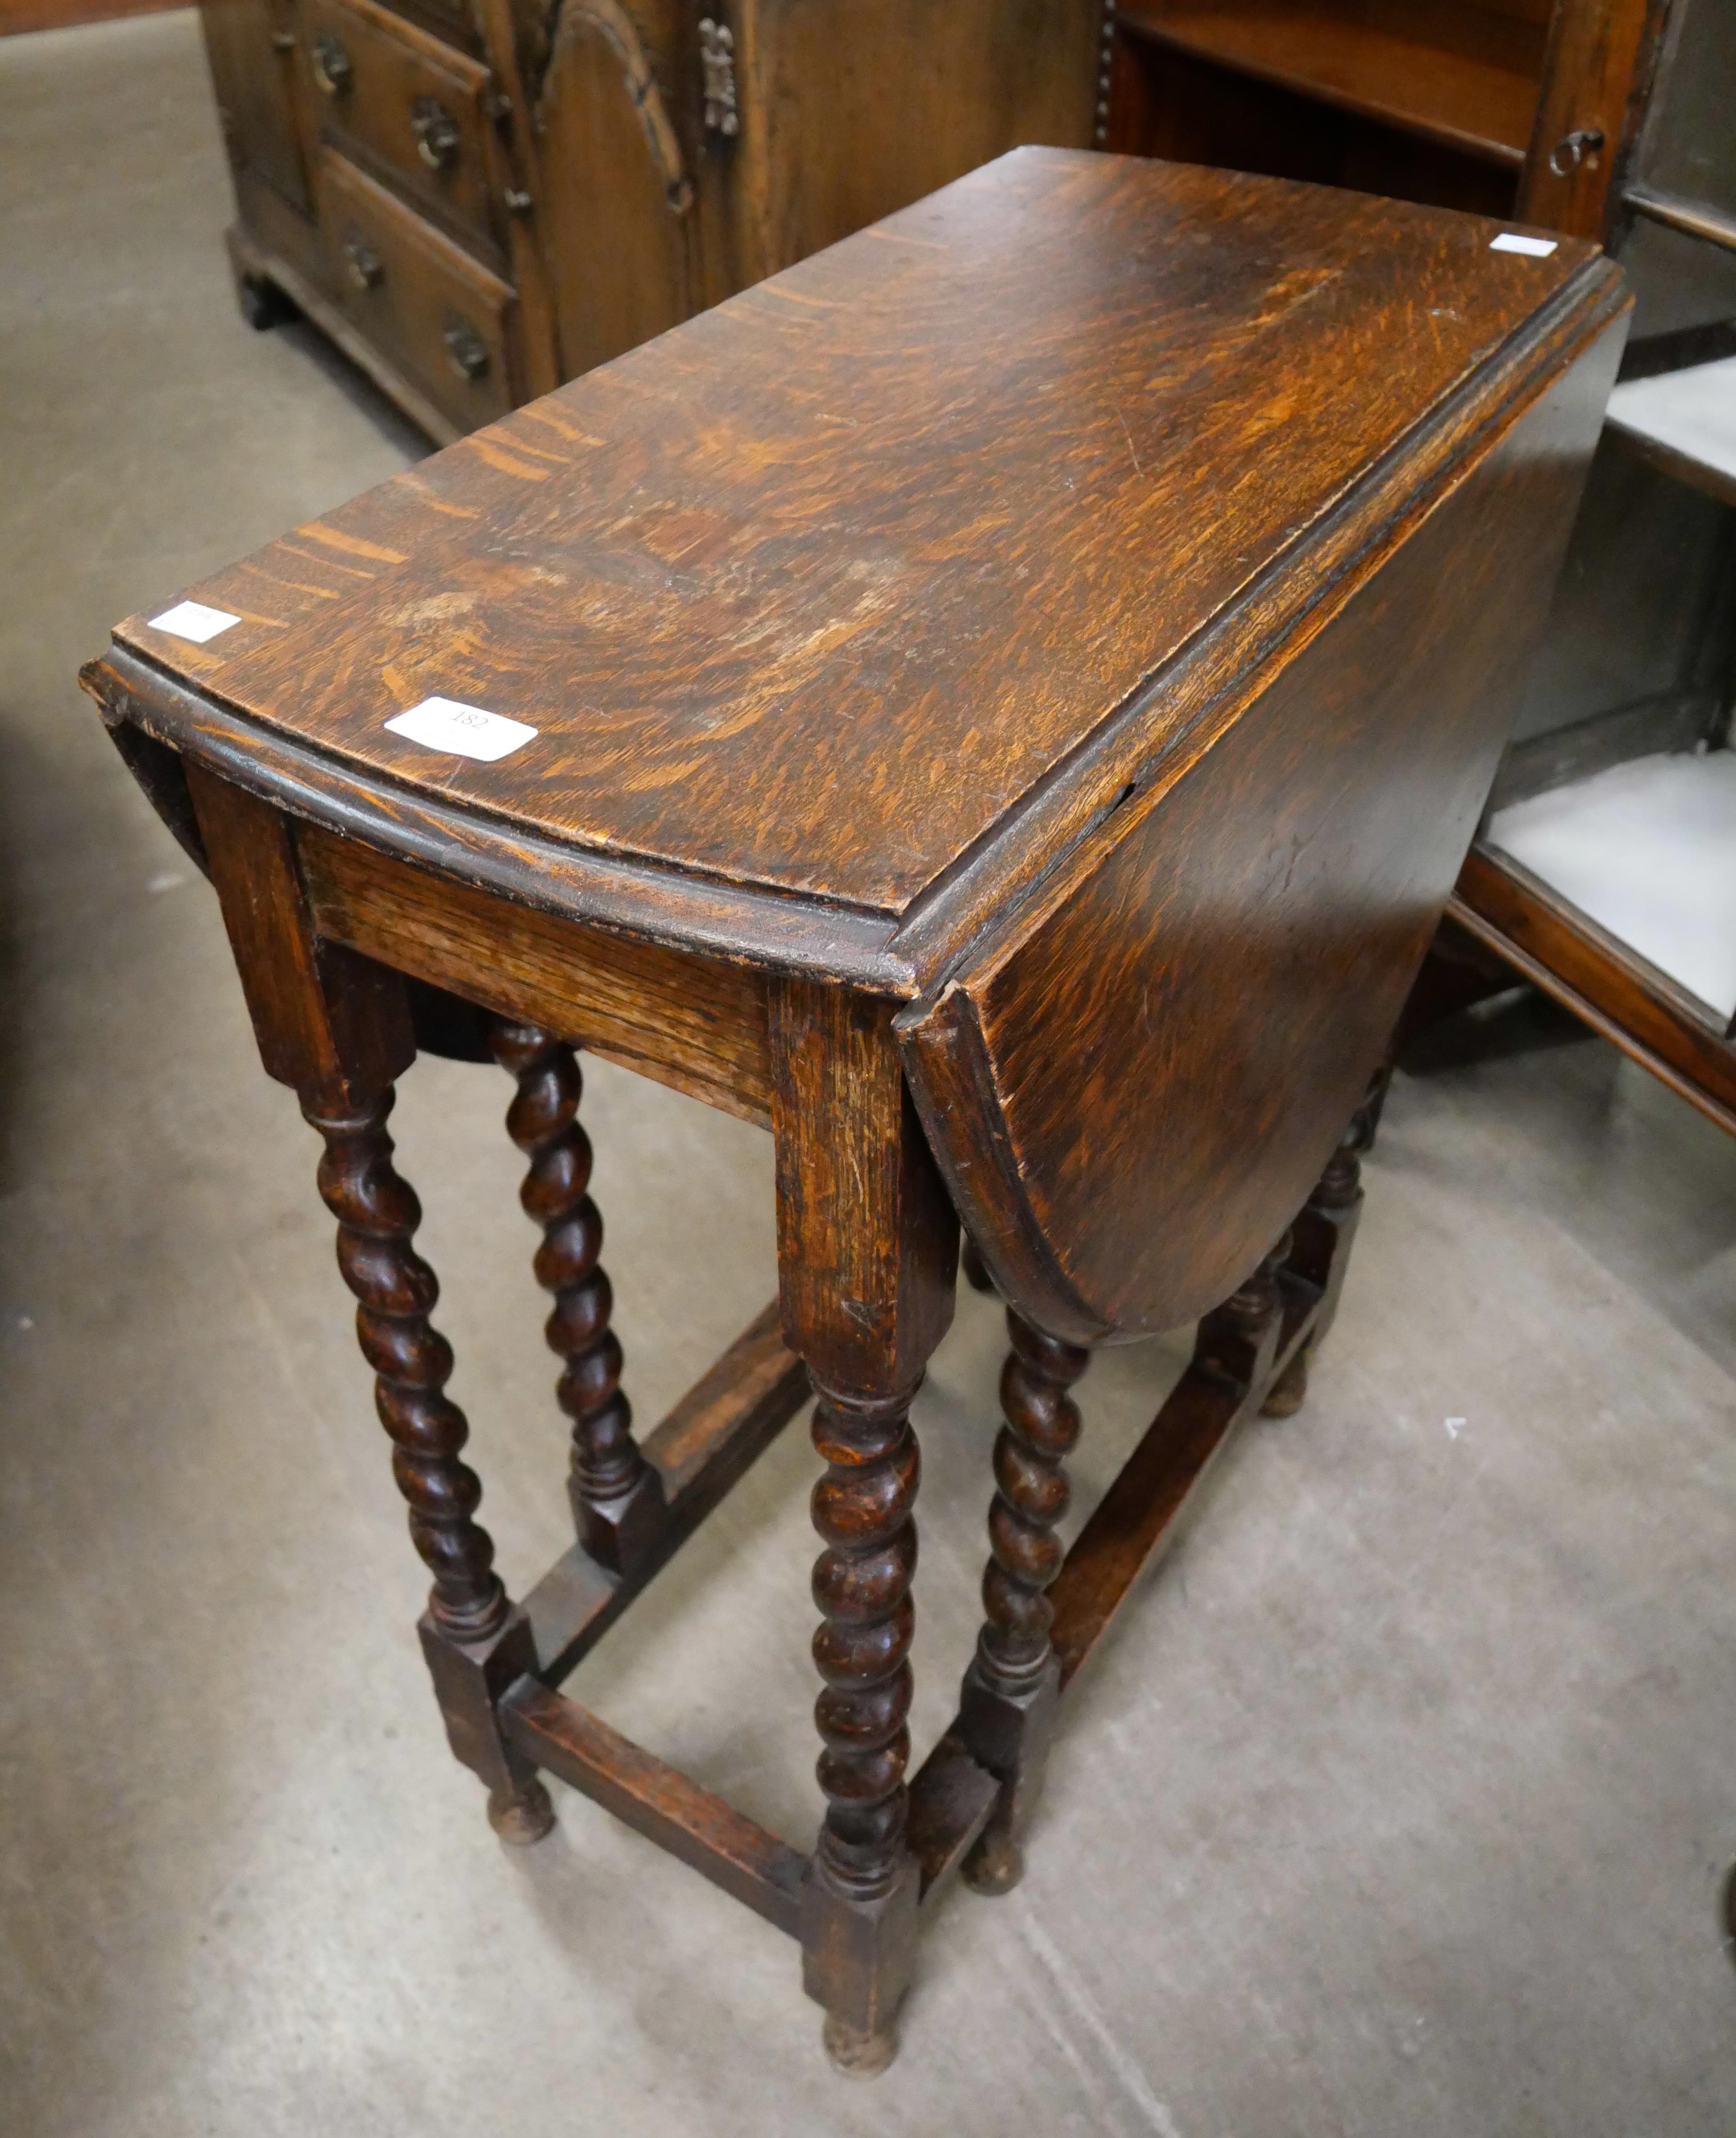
1477, 106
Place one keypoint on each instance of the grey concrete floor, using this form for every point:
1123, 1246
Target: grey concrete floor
1401, 1803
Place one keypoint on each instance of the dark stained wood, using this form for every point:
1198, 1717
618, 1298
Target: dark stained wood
446, 320
758, 1374
617, 1497
333, 1024
1006, 1709
701, 705
1553, 945
289, 290
696, 1024
1678, 721
1466, 101
1069, 770
868, 1256
655, 1799
1317, 1251
1249, 1355
406, 106
1526, 107
584, 167
336, 1028
378, 1213
1128, 943
1138, 1512
951, 1800
1591, 71
253, 70
713, 1435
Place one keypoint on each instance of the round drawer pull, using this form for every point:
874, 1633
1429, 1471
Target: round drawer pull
332, 68
466, 348
366, 270
437, 133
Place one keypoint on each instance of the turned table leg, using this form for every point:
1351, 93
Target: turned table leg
1325, 1227
476, 1641
335, 1026
867, 1257
864, 1879
1007, 1709
617, 1497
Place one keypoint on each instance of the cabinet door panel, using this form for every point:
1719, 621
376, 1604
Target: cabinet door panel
616, 213
251, 45
852, 109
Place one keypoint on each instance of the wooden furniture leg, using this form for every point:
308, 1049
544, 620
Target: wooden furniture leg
1321, 1240
617, 1499
1012, 1689
476, 1641
868, 1250
336, 1025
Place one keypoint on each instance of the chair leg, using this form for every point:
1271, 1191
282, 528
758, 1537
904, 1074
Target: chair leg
1011, 1689
475, 1640
617, 1497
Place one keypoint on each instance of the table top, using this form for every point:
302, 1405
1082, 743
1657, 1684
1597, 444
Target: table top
822, 593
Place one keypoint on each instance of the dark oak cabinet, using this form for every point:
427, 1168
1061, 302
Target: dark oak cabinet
479, 201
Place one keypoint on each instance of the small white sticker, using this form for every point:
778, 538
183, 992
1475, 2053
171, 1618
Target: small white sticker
1511, 241
464, 730
194, 620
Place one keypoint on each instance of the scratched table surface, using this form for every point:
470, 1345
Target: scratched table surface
815, 594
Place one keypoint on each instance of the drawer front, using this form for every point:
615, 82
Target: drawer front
439, 317
402, 103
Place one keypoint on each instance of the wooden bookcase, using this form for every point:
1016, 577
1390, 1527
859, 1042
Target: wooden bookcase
1510, 108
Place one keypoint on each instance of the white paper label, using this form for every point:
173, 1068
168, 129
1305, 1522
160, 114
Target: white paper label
193, 621
464, 730
1511, 241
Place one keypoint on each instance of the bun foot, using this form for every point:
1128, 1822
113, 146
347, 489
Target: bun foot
855, 2054
263, 305
1290, 1391
995, 1866
521, 1817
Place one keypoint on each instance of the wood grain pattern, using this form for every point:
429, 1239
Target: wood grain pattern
1238, 938
411, 290
710, 672
395, 72
650, 1795
333, 1025
1592, 82
694, 1023
1465, 100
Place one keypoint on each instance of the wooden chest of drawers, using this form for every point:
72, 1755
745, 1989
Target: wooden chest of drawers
478, 198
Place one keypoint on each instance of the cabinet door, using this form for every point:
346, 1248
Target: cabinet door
618, 209
251, 45
852, 109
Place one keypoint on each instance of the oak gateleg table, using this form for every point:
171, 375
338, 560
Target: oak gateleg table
1001, 706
